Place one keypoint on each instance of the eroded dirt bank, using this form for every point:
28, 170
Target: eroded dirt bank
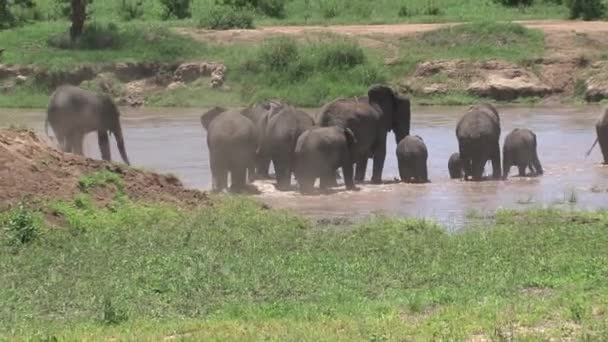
31, 169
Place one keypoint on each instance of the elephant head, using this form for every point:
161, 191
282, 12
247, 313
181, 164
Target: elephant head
395, 108
111, 124
211, 114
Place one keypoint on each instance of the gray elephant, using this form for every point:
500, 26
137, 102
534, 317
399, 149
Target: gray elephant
231, 141
478, 133
319, 152
455, 166
520, 149
282, 131
412, 157
73, 112
601, 129
370, 118
259, 114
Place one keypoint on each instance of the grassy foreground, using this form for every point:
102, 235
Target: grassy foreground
237, 271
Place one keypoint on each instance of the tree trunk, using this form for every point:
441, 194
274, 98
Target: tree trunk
79, 14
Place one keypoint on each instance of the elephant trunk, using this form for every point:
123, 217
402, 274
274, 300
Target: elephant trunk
121, 144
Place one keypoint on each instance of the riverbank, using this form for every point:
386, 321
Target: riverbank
152, 65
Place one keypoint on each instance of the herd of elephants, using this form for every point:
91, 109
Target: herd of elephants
344, 134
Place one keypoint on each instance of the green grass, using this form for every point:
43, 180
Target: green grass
347, 11
237, 271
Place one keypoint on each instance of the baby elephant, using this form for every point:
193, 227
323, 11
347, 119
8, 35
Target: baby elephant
520, 149
455, 166
320, 152
412, 156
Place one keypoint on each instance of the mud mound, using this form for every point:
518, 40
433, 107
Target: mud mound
30, 168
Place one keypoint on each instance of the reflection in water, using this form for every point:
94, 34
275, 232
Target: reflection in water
172, 140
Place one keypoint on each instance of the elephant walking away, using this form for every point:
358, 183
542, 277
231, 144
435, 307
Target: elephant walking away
478, 134
73, 112
320, 152
455, 166
601, 129
520, 149
231, 140
412, 157
279, 142
370, 118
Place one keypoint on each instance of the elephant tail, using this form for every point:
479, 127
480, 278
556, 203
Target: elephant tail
592, 147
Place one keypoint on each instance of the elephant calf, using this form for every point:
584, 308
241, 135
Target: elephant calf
601, 129
412, 156
231, 139
320, 152
520, 149
455, 166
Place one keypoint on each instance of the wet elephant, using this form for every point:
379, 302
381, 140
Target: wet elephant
231, 141
282, 131
370, 118
412, 158
455, 166
601, 129
520, 149
259, 113
319, 152
73, 112
478, 134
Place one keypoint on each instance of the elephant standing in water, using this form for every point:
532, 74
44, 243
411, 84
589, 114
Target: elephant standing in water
601, 129
478, 133
370, 119
412, 156
455, 166
73, 112
520, 149
319, 152
282, 131
231, 140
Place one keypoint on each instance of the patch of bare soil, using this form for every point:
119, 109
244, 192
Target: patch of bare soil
31, 169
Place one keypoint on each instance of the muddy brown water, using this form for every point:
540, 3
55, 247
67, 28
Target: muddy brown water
172, 140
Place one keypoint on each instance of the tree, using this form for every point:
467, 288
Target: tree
76, 11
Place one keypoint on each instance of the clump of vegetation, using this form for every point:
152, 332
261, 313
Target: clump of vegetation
21, 226
514, 3
12, 12
111, 315
131, 9
96, 36
270, 8
222, 17
179, 9
100, 179
587, 9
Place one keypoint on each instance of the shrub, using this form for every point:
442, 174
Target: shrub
431, 9
272, 8
21, 226
12, 12
404, 11
100, 179
278, 54
514, 3
131, 9
586, 9
226, 17
341, 54
329, 9
96, 36
179, 9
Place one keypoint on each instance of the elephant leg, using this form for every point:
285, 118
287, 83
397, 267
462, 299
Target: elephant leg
603, 141
219, 174
379, 157
477, 165
538, 168
496, 169
77, 141
402, 171
522, 170
347, 171
361, 170
238, 176
104, 144
262, 167
422, 172
283, 172
305, 184
506, 167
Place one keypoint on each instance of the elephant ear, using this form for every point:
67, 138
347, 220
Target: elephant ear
210, 115
383, 96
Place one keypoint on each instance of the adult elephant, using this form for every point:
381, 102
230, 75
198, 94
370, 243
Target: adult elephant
73, 112
282, 131
478, 133
231, 151
259, 113
601, 129
370, 119
520, 149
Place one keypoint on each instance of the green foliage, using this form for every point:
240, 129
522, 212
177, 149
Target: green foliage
587, 9
270, 8
179, 9
96, 36
65, 7
278, 54
11, 12
111, 315
226, 17
131, 9
21, 226
512, 3
100, 179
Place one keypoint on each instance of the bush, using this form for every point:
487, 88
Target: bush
278, 54
225, 18
514, 3
341, 54
586, 9
272, 8
96, 36
404, 11
131, 9
13, 12
21, 226
179, 9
